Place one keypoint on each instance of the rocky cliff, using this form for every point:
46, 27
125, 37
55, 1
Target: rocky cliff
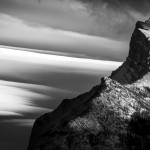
98, 119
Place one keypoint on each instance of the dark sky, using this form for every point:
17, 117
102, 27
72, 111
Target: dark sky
56, 49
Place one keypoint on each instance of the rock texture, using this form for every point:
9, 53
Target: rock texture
98, 119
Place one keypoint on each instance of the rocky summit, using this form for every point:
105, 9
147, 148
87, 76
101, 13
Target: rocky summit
102, 118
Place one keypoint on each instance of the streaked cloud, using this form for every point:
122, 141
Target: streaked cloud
17, 101
20, 122
53, 62
22, 98
17, 33
9, 113
65, 15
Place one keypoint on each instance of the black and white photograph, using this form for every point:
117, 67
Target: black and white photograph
74, 75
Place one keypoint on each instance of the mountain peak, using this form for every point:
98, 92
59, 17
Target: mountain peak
137, 64
98, 119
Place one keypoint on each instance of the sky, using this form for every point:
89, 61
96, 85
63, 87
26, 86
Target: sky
56, 49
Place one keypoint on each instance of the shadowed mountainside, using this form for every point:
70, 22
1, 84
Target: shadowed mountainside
98, 119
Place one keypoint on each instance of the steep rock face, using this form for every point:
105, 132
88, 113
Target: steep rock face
137, 63
98, 119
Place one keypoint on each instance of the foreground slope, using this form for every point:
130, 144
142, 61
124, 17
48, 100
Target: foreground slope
98, 119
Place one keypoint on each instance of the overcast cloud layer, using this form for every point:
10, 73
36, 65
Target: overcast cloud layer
116, 18
122, 5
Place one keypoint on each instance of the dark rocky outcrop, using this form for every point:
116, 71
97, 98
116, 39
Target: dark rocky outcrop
138, 60
98, 119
